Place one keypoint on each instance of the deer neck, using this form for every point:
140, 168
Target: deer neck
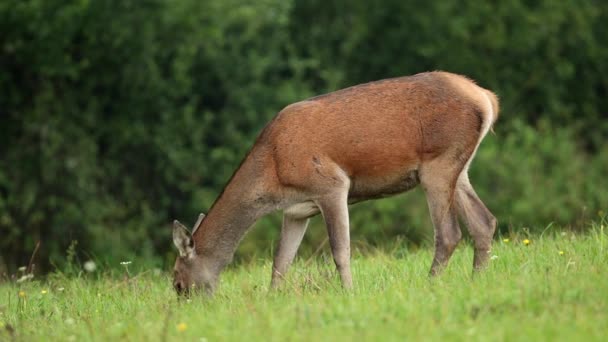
244, 199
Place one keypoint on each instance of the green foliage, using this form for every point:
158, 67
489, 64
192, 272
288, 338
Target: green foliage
538, 175
118, 116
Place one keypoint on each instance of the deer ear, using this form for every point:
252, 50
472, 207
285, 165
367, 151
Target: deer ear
201, 216
182, 239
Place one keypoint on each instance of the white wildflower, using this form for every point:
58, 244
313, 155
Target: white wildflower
124, 263
89, 266
494, 257
25, 277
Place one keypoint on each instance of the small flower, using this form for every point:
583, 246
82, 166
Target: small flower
25, 277
22, 269
60, 289
22, 294
561, 253
494, 257
526, 242
44, 292
125, 263
182, 327
505, 240
89, 266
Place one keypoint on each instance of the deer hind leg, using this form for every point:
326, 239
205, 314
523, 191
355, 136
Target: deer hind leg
292, 232
438, 178
479, 220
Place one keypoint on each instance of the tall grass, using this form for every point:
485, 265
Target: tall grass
553, 288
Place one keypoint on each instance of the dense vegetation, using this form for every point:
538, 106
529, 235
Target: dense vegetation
118, 116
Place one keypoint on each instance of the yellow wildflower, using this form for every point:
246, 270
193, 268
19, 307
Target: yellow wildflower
505, 240
22, 294
44, 291
526, 242
182, 327
561, 253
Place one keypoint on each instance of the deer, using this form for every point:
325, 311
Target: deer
320, 155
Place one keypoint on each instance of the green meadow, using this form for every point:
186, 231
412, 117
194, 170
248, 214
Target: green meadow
549, 286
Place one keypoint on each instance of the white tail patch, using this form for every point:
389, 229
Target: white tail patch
488, 118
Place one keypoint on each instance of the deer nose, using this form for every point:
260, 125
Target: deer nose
179, 287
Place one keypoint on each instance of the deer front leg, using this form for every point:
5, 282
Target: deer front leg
335, 212
292, 232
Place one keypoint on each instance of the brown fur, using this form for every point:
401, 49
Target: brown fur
363, 142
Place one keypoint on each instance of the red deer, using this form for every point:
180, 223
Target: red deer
364, 142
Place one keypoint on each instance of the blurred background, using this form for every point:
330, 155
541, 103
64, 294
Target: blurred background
118, 116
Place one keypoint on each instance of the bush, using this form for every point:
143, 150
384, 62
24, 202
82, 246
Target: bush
116, 117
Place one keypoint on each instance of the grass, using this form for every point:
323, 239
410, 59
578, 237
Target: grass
555, 288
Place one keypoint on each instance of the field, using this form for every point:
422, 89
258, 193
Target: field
552, 286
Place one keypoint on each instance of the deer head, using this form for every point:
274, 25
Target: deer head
191, 271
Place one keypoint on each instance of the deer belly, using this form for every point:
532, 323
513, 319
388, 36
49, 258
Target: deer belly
364, 188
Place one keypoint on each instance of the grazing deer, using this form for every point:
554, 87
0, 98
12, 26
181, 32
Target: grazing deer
364, 142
